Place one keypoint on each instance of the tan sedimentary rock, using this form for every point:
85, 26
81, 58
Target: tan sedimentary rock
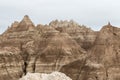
65, 46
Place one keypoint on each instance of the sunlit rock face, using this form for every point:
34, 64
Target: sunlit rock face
43, 76
64, 46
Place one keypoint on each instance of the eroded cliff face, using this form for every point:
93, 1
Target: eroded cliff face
84, 36
65, 46
106, 50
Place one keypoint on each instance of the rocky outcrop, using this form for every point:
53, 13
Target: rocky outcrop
24, 25
106, 50
84, 36
107, 44
43, 76
65, 46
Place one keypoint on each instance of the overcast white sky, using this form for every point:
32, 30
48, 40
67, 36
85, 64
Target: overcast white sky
92, 13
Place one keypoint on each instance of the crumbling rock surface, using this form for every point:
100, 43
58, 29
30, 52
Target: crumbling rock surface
43, 76
66, 46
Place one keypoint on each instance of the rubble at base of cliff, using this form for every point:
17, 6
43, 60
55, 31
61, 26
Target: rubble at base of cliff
43, 76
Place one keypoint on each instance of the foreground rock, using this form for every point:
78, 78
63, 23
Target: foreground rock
43, 76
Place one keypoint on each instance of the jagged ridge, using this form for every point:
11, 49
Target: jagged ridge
63, 46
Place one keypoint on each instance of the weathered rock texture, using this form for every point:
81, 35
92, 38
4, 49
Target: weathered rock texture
43, 76
65, 46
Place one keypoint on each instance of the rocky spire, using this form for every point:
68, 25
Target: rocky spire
107, 27
26, 20
109, 23
25, 24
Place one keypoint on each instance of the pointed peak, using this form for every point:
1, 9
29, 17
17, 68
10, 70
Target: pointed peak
107, 27
25, 24
109, 23
26, 20
26, 17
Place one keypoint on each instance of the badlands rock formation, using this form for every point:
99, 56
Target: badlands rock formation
65, 46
